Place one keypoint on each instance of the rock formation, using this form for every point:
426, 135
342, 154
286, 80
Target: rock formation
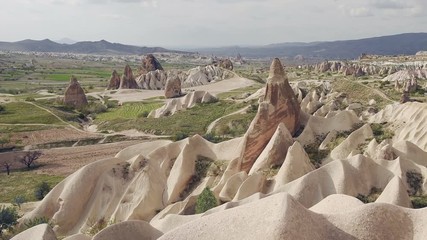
204, 75
227, 64
114, 81
280, 105
151, 189
404, 98
421, 53
356, 69
156, 80
38, 232
173, 88
187, 101
74, 94
150, 63
407, 80
128, 81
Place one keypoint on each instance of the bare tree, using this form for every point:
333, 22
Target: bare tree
7, 166
30, 157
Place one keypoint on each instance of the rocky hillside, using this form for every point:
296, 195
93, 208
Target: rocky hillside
305, 168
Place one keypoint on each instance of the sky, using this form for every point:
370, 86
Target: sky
209, 23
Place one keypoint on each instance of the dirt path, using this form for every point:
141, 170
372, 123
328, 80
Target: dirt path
60, 119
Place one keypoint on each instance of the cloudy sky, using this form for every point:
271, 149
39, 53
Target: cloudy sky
197, 23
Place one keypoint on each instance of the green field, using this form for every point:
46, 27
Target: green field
128, 111
235, 125
190, 121
23, 183
240, 91
356, 91
20, 128
25, 113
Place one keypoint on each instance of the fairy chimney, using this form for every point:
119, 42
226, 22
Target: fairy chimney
128, 81
114, 81
280, 105
74, 94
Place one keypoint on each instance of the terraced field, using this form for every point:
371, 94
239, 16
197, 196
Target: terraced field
129, 111
189, 122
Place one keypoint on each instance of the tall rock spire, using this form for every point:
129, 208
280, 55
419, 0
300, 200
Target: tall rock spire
280, 105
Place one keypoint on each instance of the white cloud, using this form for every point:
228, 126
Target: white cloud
360, 12
209, 22
112, 16
389, 4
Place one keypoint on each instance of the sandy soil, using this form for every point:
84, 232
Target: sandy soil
135, 95
51, 135
64, 161
224, 85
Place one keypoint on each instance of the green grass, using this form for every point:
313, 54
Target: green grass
23, 183
58, 77
371, 197
190, 121
128, 111
358, 92
237, 124
381, 132
24, 113
19, 128
419, 201
238, 92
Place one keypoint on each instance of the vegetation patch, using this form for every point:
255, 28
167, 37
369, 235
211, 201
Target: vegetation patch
93, 227
8, 219
24, 113
29, 128
315, 154
419, 201
192, 121
269, 173
235, 125
217, 168
237, 93
129, 111
201, 168
381, 132
415, 182
205, 201
359, 92
371, 197
23, 183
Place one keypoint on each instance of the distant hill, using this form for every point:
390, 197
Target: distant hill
407, 43
97, 47
66, 41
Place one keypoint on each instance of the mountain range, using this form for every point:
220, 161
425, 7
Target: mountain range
87, 47
407, 44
